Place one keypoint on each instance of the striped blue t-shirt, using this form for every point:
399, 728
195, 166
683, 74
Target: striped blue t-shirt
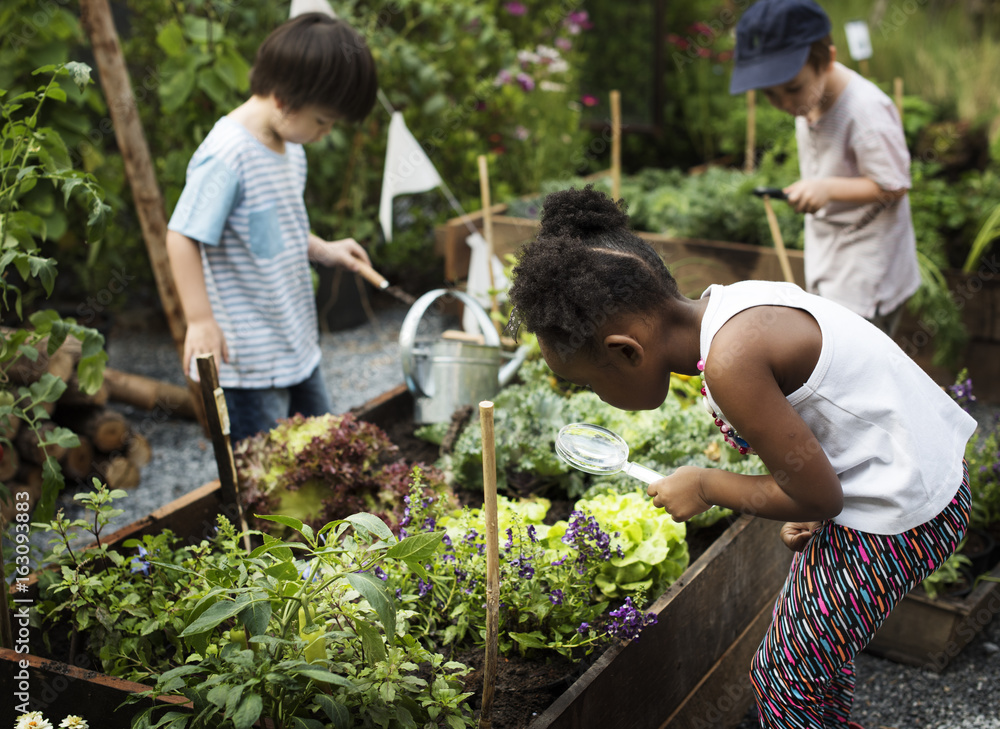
243, 202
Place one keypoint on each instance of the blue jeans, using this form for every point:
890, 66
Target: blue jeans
252, 410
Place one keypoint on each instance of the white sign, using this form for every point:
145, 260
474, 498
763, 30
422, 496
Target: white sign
859, 41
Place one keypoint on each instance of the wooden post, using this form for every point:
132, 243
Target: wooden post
484, 192
750, 159
897, 87
616, 145
863, 67
492, 563
95, 16
217, 416
779, 243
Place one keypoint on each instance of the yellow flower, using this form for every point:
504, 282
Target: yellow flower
74, 722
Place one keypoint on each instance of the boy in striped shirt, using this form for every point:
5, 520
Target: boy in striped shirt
239, 241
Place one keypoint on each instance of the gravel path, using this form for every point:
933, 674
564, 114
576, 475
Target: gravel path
363, 362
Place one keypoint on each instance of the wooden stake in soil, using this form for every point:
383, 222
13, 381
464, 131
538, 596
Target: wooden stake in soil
492, 562
750, 156
779, 243
897, 88
616, 145
484, 192
217, 417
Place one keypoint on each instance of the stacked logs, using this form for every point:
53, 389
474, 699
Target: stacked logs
110, 448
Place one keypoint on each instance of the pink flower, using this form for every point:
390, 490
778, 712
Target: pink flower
704, 52
577, 21
526, 82
724, 56
502, 78
515, 8
564, 44
675, 40
589, 100
703, 29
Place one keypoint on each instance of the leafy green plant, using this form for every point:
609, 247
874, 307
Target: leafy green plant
549, 601
31, 156
302, 632
323, 468
946, 576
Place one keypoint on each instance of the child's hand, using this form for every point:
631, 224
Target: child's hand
796, 534
204, 337
808, 196
347, 253
680, 493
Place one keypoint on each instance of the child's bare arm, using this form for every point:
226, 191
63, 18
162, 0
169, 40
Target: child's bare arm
808, 196
203, 333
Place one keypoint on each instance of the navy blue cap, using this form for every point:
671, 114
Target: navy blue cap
772, 42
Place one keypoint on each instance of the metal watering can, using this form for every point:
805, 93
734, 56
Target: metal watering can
446, 374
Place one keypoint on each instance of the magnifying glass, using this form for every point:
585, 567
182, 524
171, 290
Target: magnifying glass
597, 450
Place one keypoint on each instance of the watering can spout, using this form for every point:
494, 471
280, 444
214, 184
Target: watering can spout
510, 369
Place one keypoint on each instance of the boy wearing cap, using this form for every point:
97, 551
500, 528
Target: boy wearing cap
860, 247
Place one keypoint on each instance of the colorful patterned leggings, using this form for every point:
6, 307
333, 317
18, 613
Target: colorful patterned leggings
838, 592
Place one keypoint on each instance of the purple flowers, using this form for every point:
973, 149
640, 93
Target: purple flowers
961, 392
586, 536
628, 621
556, 597
515, 8
139, 564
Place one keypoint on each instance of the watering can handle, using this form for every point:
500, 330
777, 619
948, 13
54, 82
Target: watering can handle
408, 330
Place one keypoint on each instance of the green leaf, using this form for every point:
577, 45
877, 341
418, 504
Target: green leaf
416, 547
248, 712
288, 521
176, 88
375, 592
233, 69
200, 30
371, 524
256, 615
318, 674
335, 711
48, 388
214, 86
171, 39
63, 437
222, 610
371, 641
534, 639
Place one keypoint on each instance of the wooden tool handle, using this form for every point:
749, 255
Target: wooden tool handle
779, 243
372, 276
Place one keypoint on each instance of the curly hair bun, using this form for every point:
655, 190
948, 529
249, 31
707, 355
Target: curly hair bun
582, 214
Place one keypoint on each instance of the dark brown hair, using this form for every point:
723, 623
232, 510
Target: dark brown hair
819, 53
314, 59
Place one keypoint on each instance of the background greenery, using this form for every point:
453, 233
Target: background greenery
527, 84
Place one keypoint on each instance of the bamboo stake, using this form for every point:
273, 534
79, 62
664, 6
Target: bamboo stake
750, 159
95, 16
897, 87
863, 67
616, 145
484, 192
217, 416
779, 243
492, 563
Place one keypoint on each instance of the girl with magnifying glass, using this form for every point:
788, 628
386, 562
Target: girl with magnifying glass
865, 451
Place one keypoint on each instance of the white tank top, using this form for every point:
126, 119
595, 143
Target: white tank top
894, 437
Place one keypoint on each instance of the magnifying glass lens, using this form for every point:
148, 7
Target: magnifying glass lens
591, 448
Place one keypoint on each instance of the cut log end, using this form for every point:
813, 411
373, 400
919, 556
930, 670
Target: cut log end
118, 473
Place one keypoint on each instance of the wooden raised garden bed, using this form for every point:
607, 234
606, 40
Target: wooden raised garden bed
930, 633
690, 669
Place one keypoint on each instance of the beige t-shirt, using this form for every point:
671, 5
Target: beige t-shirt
861, 256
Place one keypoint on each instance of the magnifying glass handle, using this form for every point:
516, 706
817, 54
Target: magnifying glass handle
646, 475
